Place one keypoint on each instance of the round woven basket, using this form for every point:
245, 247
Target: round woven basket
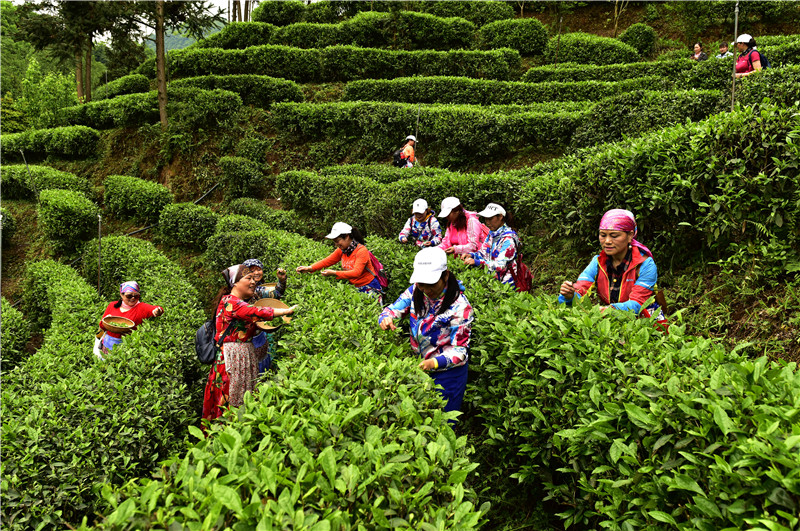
271, 303
117, 324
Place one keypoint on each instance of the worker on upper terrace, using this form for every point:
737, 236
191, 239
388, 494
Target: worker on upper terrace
405, 155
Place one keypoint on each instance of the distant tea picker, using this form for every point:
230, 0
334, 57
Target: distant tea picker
122, 317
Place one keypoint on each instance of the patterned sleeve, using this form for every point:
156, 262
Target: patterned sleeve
405, 233
497, 260
436, 232
482, 255
456, 350
399, 308
238, 309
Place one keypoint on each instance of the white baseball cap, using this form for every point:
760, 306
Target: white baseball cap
420, 206
448, 204
411, 137
338, 229
745, 38
491, 210
429, 264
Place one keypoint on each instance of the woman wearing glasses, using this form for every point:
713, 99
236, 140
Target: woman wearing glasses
127, 306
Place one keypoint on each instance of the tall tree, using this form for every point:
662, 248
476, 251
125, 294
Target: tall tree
191, 18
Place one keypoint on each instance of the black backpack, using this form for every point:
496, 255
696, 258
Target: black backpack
764, 61
204, 345
399, 159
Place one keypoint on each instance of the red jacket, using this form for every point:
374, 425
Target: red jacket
638, 280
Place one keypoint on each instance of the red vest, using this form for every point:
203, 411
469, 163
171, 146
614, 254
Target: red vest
602, 280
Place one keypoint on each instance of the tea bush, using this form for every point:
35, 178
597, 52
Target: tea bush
617, 72
626, 427
454, 134
479, 13
634, 113
66, 218
585, 48
8, 225
777, 84
23, 182
777, 40
677, 182
239, 35
192, 107
272, 247
526, 35
279, 13
136, 199
240, 223
641, 37
382, 173
287, 220
71, 422
308, 35
460, 90
784, 55
129, 84
344, 63
242, 177
187, 225
16, 331
259, 91
76, 142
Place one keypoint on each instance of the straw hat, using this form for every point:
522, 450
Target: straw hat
271, 303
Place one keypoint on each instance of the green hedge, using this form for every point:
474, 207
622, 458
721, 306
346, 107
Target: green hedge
72, 423
526, 35
452, 134
279, 13
479, 13
624, 427
8, 225
239, 35
275, 248
190, 106
634, 113
777, 40
777, 84
584, 48
129, 84
259, 91
16, 331
404, 30
287, 220
242, 177
344, 63
187, 225
240, 223
677, 181
641, 37
783, 55
76, 142
459, 90
18, 183
137, 199
575, 72
66, 218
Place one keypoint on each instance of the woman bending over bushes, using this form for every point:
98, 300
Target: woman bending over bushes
465, 233
499, 250
625, 273
441, 323
355, 258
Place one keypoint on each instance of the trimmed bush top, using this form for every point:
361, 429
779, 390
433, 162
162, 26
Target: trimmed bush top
585, 48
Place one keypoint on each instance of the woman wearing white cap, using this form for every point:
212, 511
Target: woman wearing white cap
422, 227
465, 233
356, 261
409, 151
499, 249
441, 323
749, 59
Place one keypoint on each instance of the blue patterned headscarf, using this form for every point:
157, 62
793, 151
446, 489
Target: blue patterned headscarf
253, 262
130, 286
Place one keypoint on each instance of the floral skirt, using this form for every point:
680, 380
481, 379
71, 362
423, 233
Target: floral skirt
233, 374
373, 289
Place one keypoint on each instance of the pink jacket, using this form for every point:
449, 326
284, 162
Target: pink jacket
468, 240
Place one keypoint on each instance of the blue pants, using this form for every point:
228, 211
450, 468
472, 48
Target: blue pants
453, 382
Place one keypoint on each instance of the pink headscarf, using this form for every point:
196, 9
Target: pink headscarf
623, 220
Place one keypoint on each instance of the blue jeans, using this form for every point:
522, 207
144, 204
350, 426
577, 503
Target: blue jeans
454, 383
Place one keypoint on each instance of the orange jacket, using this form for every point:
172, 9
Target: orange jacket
356, 267
409, 152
